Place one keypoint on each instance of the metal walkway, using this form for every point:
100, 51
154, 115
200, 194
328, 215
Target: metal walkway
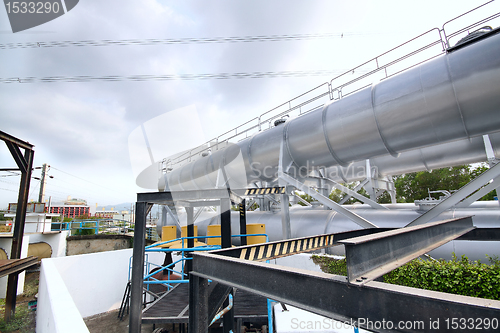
173, 307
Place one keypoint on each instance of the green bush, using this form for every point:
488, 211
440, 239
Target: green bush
457, 276
330, 265
89, 229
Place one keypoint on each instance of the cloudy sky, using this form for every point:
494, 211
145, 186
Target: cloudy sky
82, 129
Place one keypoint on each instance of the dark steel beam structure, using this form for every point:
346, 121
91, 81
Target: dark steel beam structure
198, 304
141, 211
188, 199
10, 169
8, 267
170, 197
482, 234
25, 165
235, 195
18, 142
16, 153
243, 222
190, 233
226, 242
369, 257
334, 297
237, 267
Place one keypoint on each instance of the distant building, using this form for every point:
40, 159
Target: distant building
33, 207
110, 213
35, 222
107, 214
71, 208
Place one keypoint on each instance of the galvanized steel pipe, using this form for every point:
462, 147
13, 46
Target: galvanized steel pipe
453, 97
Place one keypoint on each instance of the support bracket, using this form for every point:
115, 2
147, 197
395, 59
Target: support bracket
352, 193
369, 257
458, 196
327, 202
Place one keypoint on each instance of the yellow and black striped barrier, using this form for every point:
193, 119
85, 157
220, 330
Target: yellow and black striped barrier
267, 251
265, 190
281, 249
272, 250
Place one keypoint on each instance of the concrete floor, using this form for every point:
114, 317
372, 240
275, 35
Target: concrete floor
109, 323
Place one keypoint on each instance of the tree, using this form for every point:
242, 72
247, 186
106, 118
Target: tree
337, 195
415, 186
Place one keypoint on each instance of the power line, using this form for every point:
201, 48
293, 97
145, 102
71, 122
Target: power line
12, 174
6, 189
33, 189
174, 41
8, 182
218, 76
85, 180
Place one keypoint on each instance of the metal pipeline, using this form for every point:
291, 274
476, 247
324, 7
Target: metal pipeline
450, 154
429, 107
308, 221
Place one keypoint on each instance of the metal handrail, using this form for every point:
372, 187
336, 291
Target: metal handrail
259, 121
447, 38
386, 66
331, 89
170, 268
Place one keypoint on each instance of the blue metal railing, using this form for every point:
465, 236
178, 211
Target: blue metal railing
97, 225
149, 279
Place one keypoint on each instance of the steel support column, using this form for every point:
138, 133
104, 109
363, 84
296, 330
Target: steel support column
225, 205
141, 210
285, 216
190, 233
25, 164
198, 304
243, 222
225, 221
174, 217
458, 196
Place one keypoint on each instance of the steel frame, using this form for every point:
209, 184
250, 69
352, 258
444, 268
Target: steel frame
25, 165
352, 193
348, 301
327, 202
371, 256
188, 199
345, 301
461, 194
334, 296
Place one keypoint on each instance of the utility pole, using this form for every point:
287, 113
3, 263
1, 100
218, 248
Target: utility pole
42, 183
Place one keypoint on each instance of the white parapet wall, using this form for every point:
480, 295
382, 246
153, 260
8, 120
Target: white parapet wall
93, 283
57, 242
56, 311
6, 245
